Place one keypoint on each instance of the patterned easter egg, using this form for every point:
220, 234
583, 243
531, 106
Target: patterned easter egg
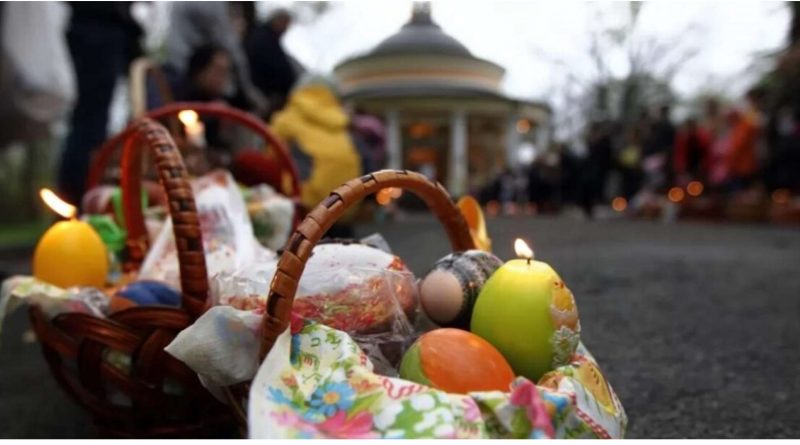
456, 361
450, 289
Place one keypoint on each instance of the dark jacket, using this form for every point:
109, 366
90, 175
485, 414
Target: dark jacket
271, 70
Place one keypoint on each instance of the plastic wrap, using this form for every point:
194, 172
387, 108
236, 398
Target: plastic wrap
227, 233
271, 215
53, 300
354, 287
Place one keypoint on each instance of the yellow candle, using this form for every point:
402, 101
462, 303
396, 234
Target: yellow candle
528, 314
70, 253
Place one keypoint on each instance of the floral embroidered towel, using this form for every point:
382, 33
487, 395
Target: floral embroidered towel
317, 383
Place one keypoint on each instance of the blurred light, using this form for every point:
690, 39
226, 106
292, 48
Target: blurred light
57, 204
695, 188
781, 196
526, 153
530, 208
619, 204
383, 197
675, 194
523, 126
420, 130
511, 208
395, 192
188, 117
492, 208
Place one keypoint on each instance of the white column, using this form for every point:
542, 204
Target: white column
394, 142
457, 175
543, 133
512, 141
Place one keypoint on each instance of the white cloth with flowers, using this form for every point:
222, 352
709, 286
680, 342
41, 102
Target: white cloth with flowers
317, 383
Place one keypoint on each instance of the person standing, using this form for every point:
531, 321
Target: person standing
630, 162
315, 126
369, 136
784, 160
714, 120
270, 67
718, 171
103, 39
742, 160
207, 76
691, 156
198, 24
597, 166
662, 141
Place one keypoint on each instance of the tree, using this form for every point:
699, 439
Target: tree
619, 94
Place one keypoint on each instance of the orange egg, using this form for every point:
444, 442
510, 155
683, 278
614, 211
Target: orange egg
456, 361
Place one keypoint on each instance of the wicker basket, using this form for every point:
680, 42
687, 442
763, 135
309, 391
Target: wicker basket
162, 397
105, 155
313, 228
145, 72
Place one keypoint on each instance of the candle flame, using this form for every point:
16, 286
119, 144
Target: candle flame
522, 249
188, 117
57, 204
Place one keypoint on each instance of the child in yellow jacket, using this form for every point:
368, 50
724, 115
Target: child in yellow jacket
315, 124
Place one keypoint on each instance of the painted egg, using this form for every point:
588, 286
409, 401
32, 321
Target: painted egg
449, 291
456, 361
148, 292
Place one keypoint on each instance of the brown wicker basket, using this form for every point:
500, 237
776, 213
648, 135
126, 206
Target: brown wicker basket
142, 72
106, 153
310, 231
157, 395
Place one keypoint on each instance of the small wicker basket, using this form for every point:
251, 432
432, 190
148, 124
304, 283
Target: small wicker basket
309, 233
106, 153
156, 395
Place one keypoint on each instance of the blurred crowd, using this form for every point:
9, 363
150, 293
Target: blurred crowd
218, 52
222, 52
722, 150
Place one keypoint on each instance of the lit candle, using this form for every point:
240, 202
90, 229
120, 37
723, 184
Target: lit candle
528, 314
195, 130
70, 253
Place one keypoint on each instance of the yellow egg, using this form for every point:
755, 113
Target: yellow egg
69, 254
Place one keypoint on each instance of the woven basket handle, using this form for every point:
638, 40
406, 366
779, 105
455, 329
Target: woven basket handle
138, 74
222, 111
185, 223
321, 218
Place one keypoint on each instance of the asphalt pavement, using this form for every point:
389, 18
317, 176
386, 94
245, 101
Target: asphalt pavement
696, 325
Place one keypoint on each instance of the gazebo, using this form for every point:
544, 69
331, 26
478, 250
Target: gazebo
445, 113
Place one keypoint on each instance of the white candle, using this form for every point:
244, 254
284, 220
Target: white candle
195, 130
